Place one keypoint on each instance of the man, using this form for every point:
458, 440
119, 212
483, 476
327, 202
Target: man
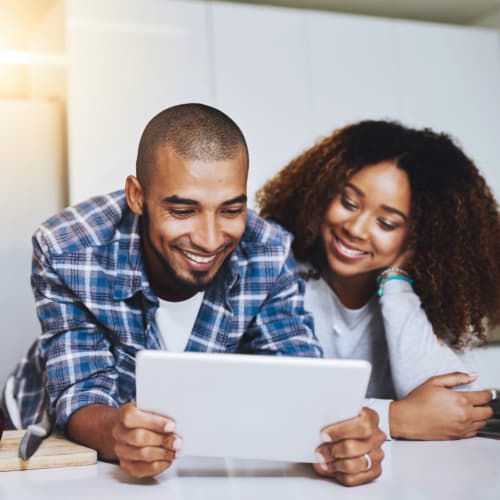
112, 274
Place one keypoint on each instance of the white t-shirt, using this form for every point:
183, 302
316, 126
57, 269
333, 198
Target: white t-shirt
175, 320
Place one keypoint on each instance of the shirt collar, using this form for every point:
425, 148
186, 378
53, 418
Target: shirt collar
131, 276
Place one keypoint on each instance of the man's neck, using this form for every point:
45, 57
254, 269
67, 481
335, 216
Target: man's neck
177, 295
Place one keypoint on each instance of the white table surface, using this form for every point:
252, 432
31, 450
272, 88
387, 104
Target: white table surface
447, 470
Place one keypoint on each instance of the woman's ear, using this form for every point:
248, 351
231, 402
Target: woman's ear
134, 194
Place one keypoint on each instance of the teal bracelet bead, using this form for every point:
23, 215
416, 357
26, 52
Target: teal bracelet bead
380, 290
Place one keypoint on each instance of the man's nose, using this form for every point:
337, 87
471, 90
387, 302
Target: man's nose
208, 236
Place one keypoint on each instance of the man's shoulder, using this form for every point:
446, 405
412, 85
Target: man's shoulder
91, 223
261, 232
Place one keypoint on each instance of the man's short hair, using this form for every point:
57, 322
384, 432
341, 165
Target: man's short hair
194, 131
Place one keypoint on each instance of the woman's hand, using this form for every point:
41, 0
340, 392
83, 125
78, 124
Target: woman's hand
433, 411
403, 259
352, 450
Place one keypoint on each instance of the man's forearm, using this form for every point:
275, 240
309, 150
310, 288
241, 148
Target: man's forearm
92, 426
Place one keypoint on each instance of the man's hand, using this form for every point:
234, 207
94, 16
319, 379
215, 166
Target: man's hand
343, 455
433, 411
144, 443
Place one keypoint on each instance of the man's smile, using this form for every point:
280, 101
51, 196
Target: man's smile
200, 259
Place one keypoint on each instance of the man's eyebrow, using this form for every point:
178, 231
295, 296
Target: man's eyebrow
387, 208
242, 198
179, 200
175, 199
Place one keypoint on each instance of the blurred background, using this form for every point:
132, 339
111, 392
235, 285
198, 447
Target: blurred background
79, 79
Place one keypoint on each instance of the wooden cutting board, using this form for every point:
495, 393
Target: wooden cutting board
55, 451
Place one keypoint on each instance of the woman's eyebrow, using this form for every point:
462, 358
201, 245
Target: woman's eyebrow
387, 208
395, 211
355, 188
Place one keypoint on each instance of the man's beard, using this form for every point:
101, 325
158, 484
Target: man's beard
177, 283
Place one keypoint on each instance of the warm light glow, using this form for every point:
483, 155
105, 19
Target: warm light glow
26, 58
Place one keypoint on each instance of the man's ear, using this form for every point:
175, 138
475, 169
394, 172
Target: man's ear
134, 194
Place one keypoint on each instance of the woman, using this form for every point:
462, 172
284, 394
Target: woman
399, 236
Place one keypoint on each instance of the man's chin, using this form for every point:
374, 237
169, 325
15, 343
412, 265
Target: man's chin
198, 281
203, 280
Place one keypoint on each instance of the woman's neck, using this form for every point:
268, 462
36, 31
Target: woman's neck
353, 291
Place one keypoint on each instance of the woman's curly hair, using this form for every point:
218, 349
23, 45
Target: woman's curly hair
455, 224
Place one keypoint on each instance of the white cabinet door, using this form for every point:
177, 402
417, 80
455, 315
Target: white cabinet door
128, 60
262, 78
450, 77
353, 70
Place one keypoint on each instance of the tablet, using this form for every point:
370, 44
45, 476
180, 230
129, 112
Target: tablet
250, 406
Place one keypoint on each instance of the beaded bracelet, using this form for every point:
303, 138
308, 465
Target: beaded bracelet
397, 270
382, 283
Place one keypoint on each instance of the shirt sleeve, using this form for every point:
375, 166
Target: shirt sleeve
282, 326
78, 360
415, 352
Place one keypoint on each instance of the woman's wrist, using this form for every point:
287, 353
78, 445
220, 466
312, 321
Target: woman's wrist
389, 274
392, 271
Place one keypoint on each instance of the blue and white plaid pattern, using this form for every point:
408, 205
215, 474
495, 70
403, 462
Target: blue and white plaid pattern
96, 307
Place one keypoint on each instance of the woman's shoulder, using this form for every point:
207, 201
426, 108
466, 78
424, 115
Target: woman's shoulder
317, 292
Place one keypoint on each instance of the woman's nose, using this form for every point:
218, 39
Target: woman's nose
358, 226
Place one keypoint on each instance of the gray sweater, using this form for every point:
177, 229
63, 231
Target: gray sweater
393, 333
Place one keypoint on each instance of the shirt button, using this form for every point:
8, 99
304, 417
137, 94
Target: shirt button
336, 330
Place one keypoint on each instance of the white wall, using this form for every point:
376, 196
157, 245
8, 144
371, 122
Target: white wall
487, 361
31, 169
35, 33
48, 37
128, 60
287, 77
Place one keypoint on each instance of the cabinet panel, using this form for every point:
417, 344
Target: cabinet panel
353, 70
261, 76
451, 82
127, 61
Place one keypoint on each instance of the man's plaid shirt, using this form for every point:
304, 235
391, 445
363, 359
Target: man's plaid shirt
96, 307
